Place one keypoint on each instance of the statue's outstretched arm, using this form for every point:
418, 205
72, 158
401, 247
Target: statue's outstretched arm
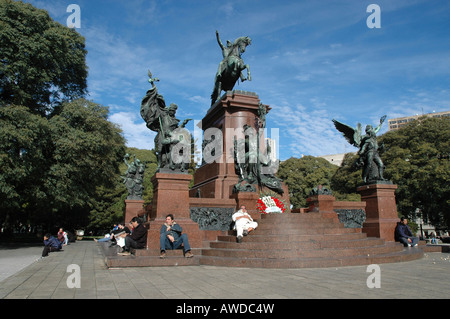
379, 125
218, 41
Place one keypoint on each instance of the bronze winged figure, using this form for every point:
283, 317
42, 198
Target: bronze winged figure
369, 157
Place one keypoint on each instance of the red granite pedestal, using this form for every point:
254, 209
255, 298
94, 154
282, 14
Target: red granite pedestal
171, 196
217, 179
248, 199
323, 204
227, 116
133, 208
381, 210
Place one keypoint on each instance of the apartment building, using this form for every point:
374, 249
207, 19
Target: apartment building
396, 123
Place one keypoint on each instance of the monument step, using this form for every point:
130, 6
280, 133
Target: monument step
253, 237
296, 252
147, 257
303, 216
299, 225
169, 253
302, 262
305, 231
306, 244
150, 261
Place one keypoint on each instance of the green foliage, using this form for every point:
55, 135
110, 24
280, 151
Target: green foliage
52, 169
87, 152
108, 204
24, 150
417, 160
59, 154
42, 63
346, 179
301, 175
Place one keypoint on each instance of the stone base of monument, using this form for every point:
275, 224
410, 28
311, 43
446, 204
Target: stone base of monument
133, 208
312, 238
304, 241
381, 209
309, 240
171, 196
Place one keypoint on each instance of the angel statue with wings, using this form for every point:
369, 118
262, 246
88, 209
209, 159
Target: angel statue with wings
369, 157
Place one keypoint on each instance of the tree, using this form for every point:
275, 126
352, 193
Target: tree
88, 150
346, 179
417, 160
42, 63
24, 150
108, 206
52, 168
301, 175
59, 154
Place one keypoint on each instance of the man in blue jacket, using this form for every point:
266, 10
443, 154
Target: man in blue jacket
404, 235
51, 244
171, 237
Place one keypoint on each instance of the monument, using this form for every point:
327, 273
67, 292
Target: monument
236, 159
236, 165
172, 141
171, 180
133, 180
378, 193
231, 67
238, 169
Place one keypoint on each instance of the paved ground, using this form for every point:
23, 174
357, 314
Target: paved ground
49, 278
15, 257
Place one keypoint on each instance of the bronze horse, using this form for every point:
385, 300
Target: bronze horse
231, 67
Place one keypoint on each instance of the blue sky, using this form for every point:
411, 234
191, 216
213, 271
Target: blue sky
311, 61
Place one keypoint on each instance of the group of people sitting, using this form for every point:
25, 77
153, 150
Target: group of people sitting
133, 236
172, 237
171, 234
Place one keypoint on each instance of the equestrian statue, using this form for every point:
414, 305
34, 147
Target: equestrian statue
231, 67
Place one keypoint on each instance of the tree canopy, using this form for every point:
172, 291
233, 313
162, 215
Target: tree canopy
59, 154
42, 63
301, 175
346, 179
53, 168
417, 160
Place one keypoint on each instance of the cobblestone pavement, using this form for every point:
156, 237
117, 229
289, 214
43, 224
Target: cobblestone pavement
55, 277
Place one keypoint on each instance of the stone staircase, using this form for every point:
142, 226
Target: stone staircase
309, 240
149, 258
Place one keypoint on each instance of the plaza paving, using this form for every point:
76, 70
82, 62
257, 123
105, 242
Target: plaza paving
25, 277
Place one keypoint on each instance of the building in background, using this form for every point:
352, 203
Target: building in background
396, 123
335, 159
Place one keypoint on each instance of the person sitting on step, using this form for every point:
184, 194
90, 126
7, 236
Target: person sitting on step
244, 223
137, 239
171, 237
404, 235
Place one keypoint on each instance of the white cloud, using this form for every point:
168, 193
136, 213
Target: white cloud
135, 130
115, 64
307, 131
